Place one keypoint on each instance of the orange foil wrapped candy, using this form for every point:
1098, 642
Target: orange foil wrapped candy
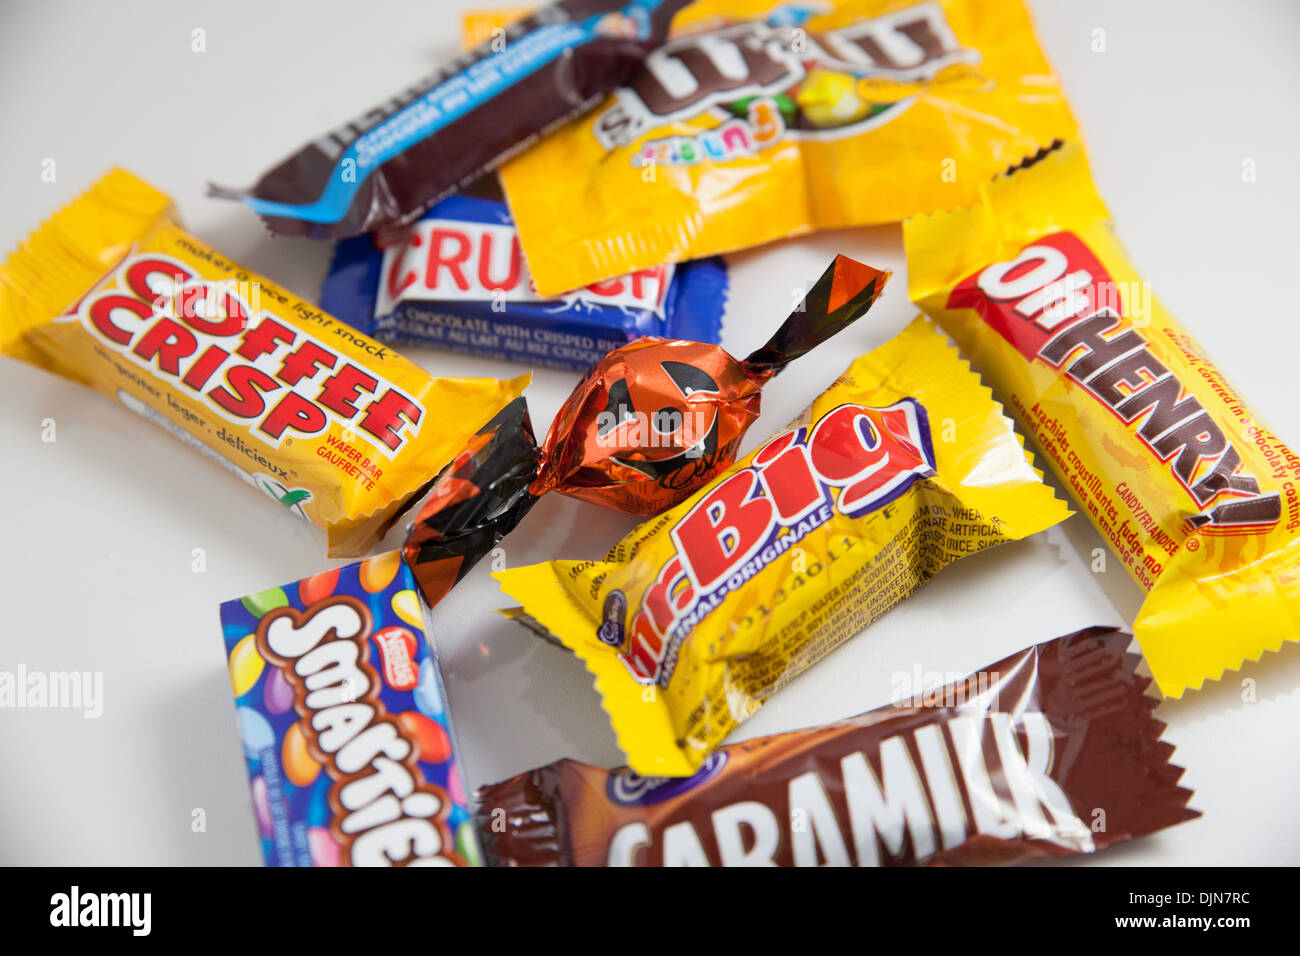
656, 419
650, 424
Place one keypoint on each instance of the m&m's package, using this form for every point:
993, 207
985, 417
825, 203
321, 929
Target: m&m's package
651, 423
329, 423
394, 162
350, 753
761, 119
699, 615
1050, 752
1196, 496
457, 280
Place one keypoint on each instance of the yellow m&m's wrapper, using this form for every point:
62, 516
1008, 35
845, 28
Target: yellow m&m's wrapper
759, 120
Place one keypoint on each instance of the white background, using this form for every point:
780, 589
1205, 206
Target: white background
99, 527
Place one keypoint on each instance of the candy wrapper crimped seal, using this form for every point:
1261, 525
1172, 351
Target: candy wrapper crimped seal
1196, 496
390, 165
457, 280
652, 422
698, 616
346, 736
327, 422
1011, 763
761, 119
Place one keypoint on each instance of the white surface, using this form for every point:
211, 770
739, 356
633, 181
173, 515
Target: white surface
99, 526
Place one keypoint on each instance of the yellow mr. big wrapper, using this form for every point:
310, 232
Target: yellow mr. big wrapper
1193, 493
761, 119
112, 293
698, 616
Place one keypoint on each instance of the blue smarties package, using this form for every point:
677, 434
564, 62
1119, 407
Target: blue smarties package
343, 720
457, 280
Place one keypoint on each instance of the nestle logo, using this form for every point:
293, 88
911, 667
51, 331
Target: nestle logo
397, 649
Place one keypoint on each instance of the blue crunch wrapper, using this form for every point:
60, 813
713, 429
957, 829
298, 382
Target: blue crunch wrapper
343, 720
457, 280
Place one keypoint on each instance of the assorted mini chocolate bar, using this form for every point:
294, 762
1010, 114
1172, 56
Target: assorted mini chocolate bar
637, 139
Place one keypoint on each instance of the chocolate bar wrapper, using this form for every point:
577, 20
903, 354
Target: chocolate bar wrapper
652, 422
325, 421
479, 26
349, 748
457, 280
1050, 752
760, 120
699, 615
1198, 499
388, 166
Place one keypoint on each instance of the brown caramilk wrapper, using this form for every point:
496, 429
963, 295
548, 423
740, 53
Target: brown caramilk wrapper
1049, 752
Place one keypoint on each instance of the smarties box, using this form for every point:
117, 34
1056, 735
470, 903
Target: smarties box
344, 724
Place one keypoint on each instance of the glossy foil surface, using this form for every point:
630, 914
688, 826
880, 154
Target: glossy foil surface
657, 419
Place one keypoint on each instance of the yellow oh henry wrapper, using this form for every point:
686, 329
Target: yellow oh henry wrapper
761, 119
1193, 493
326, 421
699, 615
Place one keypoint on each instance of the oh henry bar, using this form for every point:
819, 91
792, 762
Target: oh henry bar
1196, 496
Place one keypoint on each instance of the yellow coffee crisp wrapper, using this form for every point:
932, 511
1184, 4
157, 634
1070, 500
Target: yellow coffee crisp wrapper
111, 292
